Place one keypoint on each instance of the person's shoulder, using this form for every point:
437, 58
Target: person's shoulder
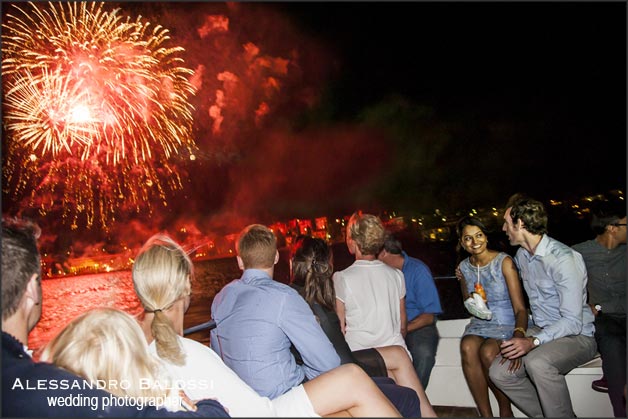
392, 273
230, 285
558, 248
197, 351
418, 265
416, 261
190, 344
278, 290
584, 246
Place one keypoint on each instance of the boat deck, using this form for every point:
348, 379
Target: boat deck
456, 412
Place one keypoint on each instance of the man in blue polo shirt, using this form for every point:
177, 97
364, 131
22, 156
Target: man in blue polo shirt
422, 306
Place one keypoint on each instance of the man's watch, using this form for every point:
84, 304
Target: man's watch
598, 307
535, 341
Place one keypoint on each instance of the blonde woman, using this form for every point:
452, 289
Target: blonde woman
370, 295
107, 348
161, 275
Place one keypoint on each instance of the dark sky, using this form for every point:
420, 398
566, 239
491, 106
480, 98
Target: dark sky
548, 79
458, 55
396, 105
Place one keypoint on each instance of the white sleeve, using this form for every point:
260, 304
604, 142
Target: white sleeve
339, 286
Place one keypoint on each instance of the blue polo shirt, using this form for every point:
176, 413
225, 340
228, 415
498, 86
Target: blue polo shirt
421, 293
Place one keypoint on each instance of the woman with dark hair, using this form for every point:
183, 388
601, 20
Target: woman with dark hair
493, 276
311, 271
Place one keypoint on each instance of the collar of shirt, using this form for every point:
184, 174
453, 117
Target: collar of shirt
405, 259
252, 275
541, 248
28, 351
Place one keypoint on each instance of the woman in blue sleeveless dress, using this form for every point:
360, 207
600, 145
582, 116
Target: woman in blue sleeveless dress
496, 274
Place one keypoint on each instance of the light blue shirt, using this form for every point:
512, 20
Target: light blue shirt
257, 319
555, 279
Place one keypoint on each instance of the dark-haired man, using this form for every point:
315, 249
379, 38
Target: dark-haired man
555, 278
422, 306
605, 258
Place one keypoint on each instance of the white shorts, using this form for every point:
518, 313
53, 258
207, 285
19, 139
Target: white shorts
294, 404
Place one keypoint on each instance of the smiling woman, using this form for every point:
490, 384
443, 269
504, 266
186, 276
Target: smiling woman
496, 273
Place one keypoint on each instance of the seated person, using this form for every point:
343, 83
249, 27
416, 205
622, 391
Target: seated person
495, 274
106, 346
161, 276
422, 306
312, 266
21, 310
605, 259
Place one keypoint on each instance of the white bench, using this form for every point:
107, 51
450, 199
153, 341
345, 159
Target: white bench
448, 387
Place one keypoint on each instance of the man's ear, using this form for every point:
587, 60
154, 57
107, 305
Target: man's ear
32, 290
276, 256
240, 263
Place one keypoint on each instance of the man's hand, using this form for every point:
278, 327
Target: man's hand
459, 275
516, 347
593, 309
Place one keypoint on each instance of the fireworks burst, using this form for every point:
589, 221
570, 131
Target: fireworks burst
95, 109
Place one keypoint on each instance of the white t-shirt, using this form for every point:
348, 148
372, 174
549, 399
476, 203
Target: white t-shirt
371, 292
204, 375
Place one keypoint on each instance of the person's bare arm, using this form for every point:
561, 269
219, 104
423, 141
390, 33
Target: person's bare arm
340, 311
420, 321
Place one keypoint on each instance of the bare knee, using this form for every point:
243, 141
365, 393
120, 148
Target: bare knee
468, 349
488, 353
352, 371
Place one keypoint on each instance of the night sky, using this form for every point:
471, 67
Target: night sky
407, 106
533, 93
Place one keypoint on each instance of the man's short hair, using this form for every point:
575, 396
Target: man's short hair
392, 244
605, 213
257, 247
20, 260
516, 197
367, 231
532, 213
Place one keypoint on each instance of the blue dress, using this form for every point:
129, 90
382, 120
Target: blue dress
502, 323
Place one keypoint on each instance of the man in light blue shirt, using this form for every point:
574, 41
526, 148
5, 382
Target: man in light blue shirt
555, 279
257, 320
